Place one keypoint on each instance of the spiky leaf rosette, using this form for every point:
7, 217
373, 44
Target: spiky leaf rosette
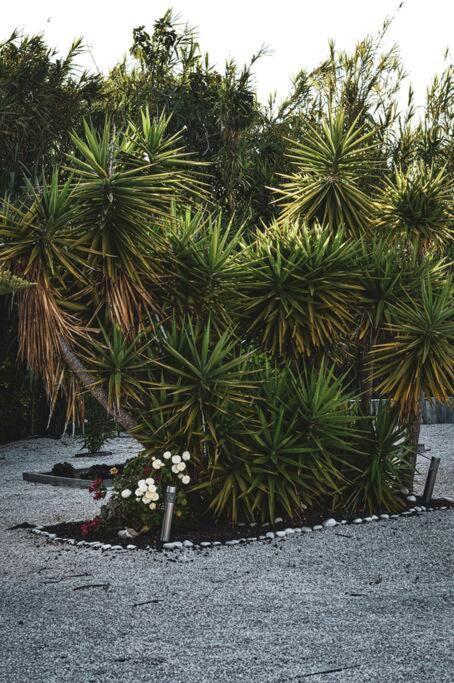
331, 164
285, 449
39, 244
123, 183
419, 360
197, 258
200, 368
376, 474
299, 289
418, 205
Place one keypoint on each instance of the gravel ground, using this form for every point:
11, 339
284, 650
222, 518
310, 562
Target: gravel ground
356, 603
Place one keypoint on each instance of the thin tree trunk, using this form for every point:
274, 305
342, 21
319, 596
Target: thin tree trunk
414, 428
121, 416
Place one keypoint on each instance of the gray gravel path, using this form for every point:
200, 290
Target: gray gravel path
359, 603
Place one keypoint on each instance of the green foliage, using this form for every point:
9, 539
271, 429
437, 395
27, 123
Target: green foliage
158, 260
196, 256
201, 368
10, 283
419, 360
41, 99
417, 205
331, 164
98, 426
284, 451
299, 288
375, 476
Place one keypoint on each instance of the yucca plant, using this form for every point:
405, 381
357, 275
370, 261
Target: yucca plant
417, 205
197, 257
322, 408
331, 164
377, 473
258, 471
200, 368
387, 274
39, 245
418, 361
117, 363
124, 182
284, 451
299, 289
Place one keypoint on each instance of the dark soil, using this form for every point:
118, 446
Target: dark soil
67, 470
207, 529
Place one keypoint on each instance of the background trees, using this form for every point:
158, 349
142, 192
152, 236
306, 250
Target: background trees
236, 278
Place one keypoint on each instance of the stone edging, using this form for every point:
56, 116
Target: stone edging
268, 536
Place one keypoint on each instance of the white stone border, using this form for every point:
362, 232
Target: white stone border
268, 536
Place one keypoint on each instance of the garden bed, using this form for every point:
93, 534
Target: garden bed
208, 532
81, 478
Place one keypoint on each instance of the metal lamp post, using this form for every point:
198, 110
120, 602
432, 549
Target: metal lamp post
169, 507
430, 481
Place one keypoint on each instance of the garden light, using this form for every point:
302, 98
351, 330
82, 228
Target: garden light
171, 494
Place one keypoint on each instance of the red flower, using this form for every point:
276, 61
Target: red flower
97, 489
90, 525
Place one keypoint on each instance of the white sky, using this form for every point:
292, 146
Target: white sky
297, 31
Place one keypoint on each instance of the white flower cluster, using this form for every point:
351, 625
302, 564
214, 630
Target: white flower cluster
146, 491
178, 464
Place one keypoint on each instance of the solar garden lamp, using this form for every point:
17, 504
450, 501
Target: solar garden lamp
430, 480
171, 494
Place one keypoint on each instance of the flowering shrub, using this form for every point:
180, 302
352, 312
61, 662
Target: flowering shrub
140, 490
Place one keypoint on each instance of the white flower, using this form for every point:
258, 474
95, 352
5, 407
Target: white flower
138, 500
152, 506
181, 466
180, 476
152, 488
175, 469
154, 496
157, 464
185, 479
167, 455
186, 455
176, 459
146, 500
126, 493
141, 483
148, 496
138, 492
149, 481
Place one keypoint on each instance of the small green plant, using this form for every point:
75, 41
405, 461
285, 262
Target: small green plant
99, 427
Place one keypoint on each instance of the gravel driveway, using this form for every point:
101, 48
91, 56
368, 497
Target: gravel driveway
355, 603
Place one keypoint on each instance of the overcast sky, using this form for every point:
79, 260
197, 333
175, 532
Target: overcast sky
297, 31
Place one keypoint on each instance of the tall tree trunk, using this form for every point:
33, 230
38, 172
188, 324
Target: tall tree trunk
121, 416
414, 428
